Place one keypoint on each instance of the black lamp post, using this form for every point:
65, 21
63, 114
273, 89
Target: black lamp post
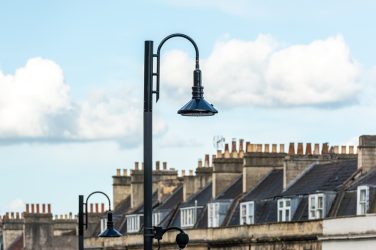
82, 212
197, 106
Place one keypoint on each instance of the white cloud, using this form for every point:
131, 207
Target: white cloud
35, 106
262, 73
16, 205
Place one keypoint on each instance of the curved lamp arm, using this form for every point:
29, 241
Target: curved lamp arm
197, 66
86, 202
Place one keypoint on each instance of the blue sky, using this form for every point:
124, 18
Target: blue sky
71, 85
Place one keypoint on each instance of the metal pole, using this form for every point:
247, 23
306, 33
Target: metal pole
80, 222
148, 145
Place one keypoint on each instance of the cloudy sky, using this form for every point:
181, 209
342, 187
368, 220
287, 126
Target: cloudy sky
71, 84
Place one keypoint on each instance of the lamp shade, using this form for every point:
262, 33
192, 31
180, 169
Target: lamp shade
197, 107
110, 231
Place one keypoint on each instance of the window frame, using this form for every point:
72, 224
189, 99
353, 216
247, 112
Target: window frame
247, 213
213, 214
284, 211
315, 212
133, 223
362, 206
188, 216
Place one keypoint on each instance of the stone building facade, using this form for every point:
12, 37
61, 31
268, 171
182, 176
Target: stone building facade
254, 197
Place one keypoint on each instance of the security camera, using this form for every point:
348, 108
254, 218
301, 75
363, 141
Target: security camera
182, 240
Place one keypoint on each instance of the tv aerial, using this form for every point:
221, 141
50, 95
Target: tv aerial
218, 142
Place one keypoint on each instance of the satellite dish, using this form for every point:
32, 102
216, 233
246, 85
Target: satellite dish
218, 142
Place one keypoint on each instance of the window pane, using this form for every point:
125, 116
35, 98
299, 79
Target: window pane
313, 201
287, 215
280, 204
320, 203
280, 213
362, 195
287, 203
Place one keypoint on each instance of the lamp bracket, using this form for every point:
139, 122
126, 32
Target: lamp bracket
157, 74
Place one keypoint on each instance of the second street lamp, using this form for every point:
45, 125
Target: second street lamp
197, 106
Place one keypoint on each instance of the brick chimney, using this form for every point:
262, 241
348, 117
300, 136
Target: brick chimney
203, 173
258, 163
225, 170
121, 186
367, 152
38, 229
137, 186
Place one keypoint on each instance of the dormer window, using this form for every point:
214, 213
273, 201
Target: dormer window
284, 210
133, 223
188, 216
213, 215
247, 213
156, 219
362, 200
316, 205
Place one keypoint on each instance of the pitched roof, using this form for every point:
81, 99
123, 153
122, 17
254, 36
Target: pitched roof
233, 190
202, 197
368, 179
268, 187
322, 177
171, 201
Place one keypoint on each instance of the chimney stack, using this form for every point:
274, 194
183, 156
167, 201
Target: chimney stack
367, 152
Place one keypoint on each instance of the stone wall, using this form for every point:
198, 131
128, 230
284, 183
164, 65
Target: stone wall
277, 236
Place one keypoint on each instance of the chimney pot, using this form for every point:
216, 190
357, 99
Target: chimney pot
96, 208
226, 153
325, 149
267, 149
32, 209
164, 165
241, 142
183, 172
336, 149
49, 208
308, 149
191, 172
207, 159
136, 165
102, 207
274, 148
12, 215
248, 147
38, 211
351, 149
27, 208
343, 150
292, 148
300, 148
199, 163
233, 147
118, 172
125, 172
17, 215
43, 208
219, 154
281, 148
91, 208
157, 165
316, 151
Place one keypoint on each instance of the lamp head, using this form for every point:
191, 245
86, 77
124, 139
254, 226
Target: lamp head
197, 106
110, 231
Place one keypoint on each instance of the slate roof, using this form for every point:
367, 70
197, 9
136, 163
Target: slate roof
173, 200
347, 205
322, 177
369, 179
233, 190
202, 197
262, 194
268, 187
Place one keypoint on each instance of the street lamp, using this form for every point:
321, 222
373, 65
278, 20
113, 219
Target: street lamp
82, 211
197, 106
